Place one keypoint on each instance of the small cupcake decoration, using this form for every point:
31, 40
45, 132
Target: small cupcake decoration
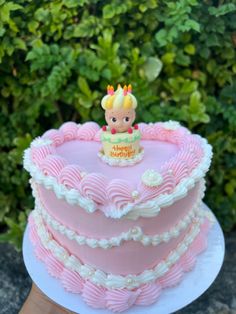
120, 138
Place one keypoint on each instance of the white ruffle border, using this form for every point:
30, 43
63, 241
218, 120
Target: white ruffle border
130, 211
110, 281
135, 233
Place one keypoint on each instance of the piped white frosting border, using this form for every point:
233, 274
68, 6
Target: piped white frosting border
135, 233
130, 211
110, 281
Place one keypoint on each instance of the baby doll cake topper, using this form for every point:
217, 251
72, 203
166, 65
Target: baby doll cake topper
119, 109
119, 138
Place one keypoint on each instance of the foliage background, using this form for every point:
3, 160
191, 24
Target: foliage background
56, 58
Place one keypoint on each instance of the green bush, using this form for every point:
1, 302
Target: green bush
56, 58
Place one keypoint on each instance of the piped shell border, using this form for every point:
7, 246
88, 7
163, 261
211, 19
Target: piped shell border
130, 210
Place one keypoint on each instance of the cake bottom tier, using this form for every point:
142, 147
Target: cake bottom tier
81, 280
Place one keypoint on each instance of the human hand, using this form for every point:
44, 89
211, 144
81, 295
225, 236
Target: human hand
38, 303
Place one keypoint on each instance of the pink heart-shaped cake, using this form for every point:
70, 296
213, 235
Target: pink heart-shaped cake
118, 211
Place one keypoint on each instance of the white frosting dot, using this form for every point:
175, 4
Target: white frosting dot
129, 280
135, 194
83, 174
134, 231
90, 273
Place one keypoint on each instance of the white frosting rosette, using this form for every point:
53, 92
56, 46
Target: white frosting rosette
152, 178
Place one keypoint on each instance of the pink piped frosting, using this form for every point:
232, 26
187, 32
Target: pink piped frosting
188, 157
54, 267
87, 131
147, 193
33, 235
119, 193
200, 243
94, 187
72, 281
173, 277
163, 134
177, 136
56, 136
188, 261
179, 170
93, 295
149, 294
52, 165
69, 129
119, 300
148, 131
41, 252
40, 153
70, 176
97, 137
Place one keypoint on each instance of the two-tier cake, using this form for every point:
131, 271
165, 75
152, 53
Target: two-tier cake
118, 210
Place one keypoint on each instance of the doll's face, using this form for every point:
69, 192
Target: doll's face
120, 119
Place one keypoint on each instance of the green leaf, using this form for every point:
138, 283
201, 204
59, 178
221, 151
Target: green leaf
168, 58
2, 31
161, 37
222, 9
195, 99
6, 9
84, 87
230, 188
84, 101
152, 68
191, 24
190, 49
19, 43
190, 87
32, 26
42, 15
108, 11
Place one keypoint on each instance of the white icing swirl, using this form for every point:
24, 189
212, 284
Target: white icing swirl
152, 178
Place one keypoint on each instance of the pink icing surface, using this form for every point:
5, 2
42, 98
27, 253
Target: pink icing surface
129, 258
84, 153
97, 225
119, 300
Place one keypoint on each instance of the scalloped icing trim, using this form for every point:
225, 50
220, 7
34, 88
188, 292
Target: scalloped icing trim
119, 300
108, 280
121, 162
135, 208
135, 233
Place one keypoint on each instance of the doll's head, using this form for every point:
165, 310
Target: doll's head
119, 108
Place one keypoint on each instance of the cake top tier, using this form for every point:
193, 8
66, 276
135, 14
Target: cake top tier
64, 160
